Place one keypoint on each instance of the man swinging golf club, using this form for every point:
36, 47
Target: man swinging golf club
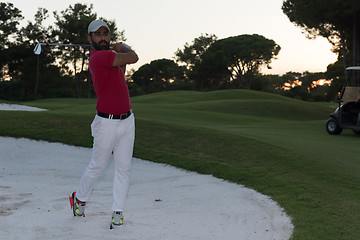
113, 127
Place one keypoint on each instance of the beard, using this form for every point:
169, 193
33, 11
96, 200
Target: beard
100, 46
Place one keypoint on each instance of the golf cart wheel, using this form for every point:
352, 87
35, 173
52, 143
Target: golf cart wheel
332, 126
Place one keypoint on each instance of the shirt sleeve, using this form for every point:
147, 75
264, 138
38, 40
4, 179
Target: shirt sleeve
104, 58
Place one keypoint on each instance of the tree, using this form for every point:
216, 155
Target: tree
240, 57
20, 61
191, 57
266, 83
307, 89
213, 69
10, 18
165, 72
334, 73
35, 32
142, 78
158, 75
72, 26
276, 83
336, 20
307, 79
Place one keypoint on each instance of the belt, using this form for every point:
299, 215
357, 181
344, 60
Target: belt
110, 116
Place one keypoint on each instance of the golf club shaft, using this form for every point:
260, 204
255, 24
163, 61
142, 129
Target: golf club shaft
37, 49
66, 45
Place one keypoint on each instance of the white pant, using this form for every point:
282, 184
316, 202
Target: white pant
110, 135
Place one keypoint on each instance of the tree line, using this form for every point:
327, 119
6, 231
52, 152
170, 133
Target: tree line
205, 64
62, 71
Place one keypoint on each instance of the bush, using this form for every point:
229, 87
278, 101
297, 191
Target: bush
62, 93
11, 90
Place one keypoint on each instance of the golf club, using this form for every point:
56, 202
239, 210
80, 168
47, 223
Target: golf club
37, 49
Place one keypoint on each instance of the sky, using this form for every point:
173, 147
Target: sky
156, 29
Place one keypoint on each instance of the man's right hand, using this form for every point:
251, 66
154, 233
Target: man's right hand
125, 55
120, 47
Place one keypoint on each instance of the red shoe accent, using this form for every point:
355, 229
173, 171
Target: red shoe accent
71, 199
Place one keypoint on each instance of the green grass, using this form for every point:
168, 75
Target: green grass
276, 145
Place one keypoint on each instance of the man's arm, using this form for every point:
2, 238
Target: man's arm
124, 55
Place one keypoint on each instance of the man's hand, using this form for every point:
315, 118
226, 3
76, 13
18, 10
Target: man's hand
120, 47
125, 55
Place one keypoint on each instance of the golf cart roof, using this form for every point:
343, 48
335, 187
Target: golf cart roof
355, 68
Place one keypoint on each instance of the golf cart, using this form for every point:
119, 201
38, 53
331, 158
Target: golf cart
347, 115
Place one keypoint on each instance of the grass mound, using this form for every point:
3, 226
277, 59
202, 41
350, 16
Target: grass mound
273, 144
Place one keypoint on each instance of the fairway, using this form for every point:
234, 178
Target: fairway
275, 145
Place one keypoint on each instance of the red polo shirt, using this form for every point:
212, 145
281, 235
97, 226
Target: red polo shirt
109, 83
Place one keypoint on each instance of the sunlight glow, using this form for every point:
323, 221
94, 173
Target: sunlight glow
320, 82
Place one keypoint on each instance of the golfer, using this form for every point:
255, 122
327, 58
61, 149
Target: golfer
113, 127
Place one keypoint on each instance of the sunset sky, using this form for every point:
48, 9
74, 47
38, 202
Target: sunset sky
157, 28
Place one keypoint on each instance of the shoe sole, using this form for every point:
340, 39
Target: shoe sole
112, 226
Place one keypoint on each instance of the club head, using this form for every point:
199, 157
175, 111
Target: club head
37, 49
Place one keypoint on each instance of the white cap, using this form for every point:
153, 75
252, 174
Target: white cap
96, 24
